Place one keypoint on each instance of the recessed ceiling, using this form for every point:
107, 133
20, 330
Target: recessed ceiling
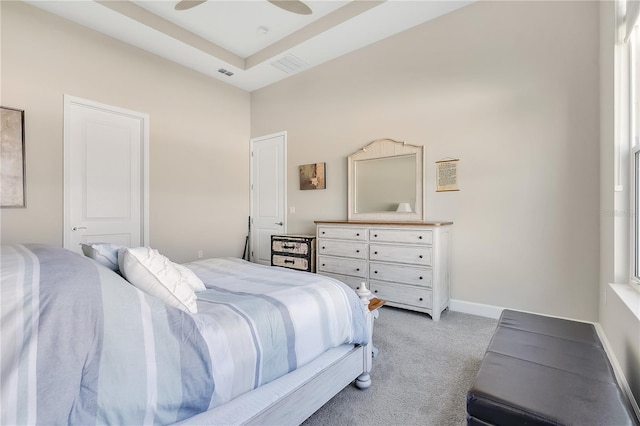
255, 42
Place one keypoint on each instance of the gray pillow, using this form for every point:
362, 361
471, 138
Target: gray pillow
104, 253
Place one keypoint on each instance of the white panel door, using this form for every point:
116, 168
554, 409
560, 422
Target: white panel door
105, 175
268, 193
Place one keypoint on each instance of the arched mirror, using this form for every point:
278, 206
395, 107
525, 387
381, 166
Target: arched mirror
386, 182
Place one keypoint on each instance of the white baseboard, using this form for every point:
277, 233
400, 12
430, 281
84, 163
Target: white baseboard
617, 369
480, 309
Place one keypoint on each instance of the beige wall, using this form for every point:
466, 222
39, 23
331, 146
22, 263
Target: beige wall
199, 132
509, 88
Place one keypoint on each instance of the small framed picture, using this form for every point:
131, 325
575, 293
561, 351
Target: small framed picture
312, 176
447, 175
12, 161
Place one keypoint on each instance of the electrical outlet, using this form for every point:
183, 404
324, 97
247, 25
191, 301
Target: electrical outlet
200, 254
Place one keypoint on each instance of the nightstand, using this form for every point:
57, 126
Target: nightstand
294, 252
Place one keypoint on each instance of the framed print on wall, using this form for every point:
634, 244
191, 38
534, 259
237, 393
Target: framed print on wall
12, 158
447, 175
312, 176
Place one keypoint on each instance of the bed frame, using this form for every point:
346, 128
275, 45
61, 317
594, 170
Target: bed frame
298, 403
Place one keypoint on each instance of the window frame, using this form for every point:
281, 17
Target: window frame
635, 218
634, 159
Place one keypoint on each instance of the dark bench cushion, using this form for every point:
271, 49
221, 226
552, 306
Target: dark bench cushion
550, 326
546, 371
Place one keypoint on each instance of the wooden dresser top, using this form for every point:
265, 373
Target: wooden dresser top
366, 222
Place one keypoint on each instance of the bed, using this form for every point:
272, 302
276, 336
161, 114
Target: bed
79, 344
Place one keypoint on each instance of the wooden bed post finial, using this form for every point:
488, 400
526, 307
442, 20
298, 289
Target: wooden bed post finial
364, 293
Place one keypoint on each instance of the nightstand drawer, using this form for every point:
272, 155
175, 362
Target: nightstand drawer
402, 254
289, 246
417, 236
342, 233
353, 249
291, 262
407, 295
339, 265
400, 274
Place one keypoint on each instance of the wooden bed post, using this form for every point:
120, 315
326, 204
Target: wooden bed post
364, 380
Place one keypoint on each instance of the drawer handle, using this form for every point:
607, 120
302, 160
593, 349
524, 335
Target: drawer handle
289, 261
375, 252
375, 272
287, 247
375, 291
357, 251
323, 247
323, 264
421, 299
420, 237
375, 235
357, 288
420, 278
358, 234
420, 256
358, 269
323, 232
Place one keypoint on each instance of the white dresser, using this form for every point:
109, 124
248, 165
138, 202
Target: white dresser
404, 263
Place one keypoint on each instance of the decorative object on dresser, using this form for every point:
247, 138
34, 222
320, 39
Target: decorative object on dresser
404, 263
294, 252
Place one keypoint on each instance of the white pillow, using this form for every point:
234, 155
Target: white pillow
191, 278
157, 276
104, 253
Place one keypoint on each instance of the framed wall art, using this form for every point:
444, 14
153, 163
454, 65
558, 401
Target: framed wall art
12, 158
312, 176
447, 175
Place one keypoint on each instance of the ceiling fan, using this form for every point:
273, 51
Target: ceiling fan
293, 6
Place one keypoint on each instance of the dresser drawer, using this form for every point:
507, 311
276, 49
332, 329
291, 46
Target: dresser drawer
353, 282
346, 233
414, 255
400, 274
301, 263
407, 295
293, 247
339, 265
353, 249
418, 236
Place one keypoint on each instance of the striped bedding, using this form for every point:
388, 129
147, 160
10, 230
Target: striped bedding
80, 345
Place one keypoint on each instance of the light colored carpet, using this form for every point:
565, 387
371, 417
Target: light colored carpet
421, 375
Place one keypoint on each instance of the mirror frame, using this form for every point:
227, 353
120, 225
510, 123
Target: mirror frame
383, 148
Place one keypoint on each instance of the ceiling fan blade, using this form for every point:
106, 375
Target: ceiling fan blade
188, 4
293, 6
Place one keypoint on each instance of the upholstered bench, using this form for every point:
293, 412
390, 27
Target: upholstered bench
540, 370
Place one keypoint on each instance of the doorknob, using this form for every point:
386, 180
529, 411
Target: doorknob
77, 228
280, 223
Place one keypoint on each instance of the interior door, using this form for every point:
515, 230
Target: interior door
268, 193
106, 171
